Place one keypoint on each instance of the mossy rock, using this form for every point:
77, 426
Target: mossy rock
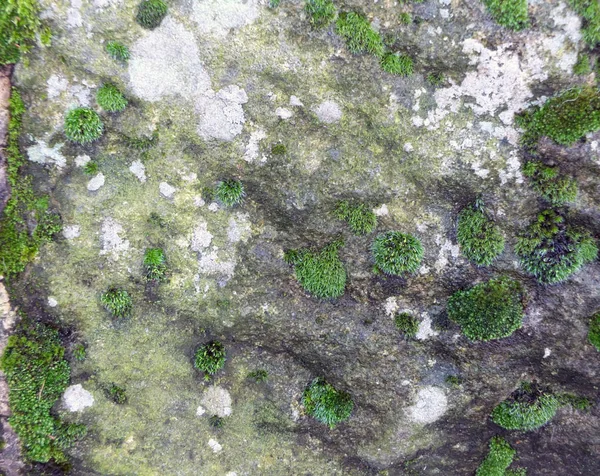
326, 404
527, 409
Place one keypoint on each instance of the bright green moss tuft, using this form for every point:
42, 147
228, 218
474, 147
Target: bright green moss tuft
83, 125
110, 98
583, 65
37, 375
590, 12
549, 184
594, 332
150, 13
511, 14
360, 218
91, 168
230, 192
564, 118
155, 264
527, 409
407, 324
320, 273
356, 31
326, 404
490, 310
479, 238
19, 25
405, 18
397, 253
259, 375
552, 251
210, 358
401, 65
117, 301
117, 51
498, 460
320, 12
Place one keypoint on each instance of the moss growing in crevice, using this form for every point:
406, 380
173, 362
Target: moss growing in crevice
356, 31
407, 324
397, 253
499, 458
549, 184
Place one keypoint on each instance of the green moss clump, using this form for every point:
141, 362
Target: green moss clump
527, 409
150, 13
210, 358
582, 66
397, 253
356, 31
110, 98
216, 421
155, 264
490, 310
479, 238
320, 12
117, 394
279, 149
91, 168
320, 273
326, 404
83, 125
552, 251
259, 375
360, 218
117, 51
230, 192
37, 375
511, 14
401, 65
407, 324
117, 301
549, 184
19, 243
564, 118
436, 78
594, 332
590, 12
79, 352
405, 18
19, 24
498, 460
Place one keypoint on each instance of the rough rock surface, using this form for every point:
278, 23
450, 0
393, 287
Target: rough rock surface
217, 82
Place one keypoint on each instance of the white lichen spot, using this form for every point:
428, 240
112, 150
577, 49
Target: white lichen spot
217, 17
214, 445
166, 190
210, 264
55, 85
96, 182
138, 169
447, 249
40, 153
381, 211
547, 353
200, 410
408, 147
76, 398
283, 113
82, 160
217, 401
512, 170
425, 330
71, 232
328, 112
201, 237
390, 306
238, 230
294, 101
430, 405
52, 302
221, 114
110, 241
252, 148
199, 201
214, 207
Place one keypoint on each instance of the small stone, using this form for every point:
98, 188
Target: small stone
76, 398
381, 211
547, 352
166, 190
96, 182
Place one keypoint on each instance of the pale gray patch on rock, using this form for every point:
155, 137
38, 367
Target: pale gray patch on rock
425, 330
76, 398
214, 445
40, 153
55, 85
74, 18
294, 101
283, 113
430, 405
96, 182
217, 17
138, 169
217, 401
252, 149
201, 237
71, 231
209, 263
52, 302
221, 114
82, 160
81, 93
381, 211
200, 410
238, 229
110, 241
166, 190
328, 112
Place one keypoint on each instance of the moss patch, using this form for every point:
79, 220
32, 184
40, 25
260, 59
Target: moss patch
480, 239
509, 13
326, 404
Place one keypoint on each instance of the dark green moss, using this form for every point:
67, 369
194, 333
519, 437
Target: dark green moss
117, 301
511, 14
259, 375
19, 25
319, 272
83, 125
141, 144
230, 192
397, 253
216, 421
155, 264
356, 31
37, 375
499, 458
528, 408
360, 218
453, 380
490, 310
150, 13
436, 78
583, 65
320, 12
594, 332
552, 251
407, 324
549, 184
575, 401
590, 12
117, 394
564, 118
91, 168
278, 149
479, 238
79, 352
326, 404
117, 51
210, 358
401, 65
405, 18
